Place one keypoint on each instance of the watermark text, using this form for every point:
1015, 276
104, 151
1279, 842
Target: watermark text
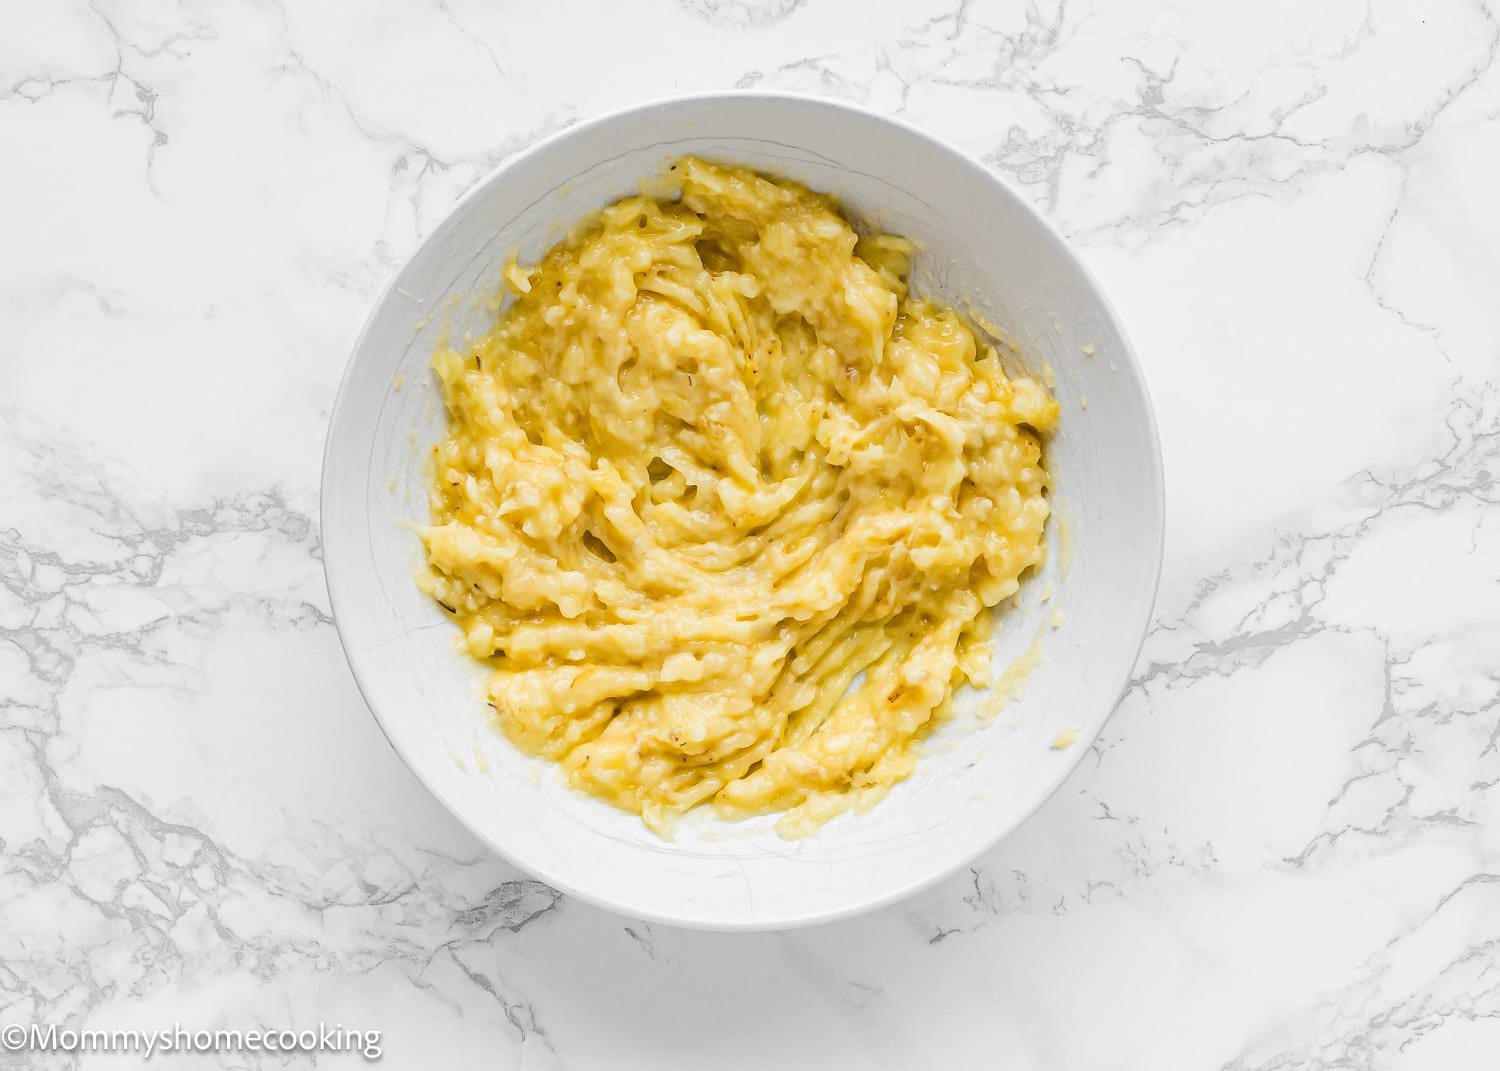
49, 1037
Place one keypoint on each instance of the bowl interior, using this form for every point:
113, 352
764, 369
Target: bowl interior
983, 250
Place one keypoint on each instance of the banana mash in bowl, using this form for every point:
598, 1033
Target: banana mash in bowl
756, 505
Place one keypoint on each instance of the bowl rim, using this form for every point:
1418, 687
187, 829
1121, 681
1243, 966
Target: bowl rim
1126, 358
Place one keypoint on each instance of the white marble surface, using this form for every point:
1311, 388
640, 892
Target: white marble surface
1284, 851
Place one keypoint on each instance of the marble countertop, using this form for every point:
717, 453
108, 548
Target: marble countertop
1284, 851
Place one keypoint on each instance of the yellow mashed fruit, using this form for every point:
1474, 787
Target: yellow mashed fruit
724, 509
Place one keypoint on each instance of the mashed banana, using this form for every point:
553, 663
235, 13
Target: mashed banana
724, 509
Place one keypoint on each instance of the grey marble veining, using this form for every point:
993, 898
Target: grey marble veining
1283, 852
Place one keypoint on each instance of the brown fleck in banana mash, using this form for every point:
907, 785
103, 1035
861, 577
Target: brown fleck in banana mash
724, 509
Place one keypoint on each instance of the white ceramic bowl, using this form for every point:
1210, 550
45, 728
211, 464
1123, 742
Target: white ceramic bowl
982, 248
